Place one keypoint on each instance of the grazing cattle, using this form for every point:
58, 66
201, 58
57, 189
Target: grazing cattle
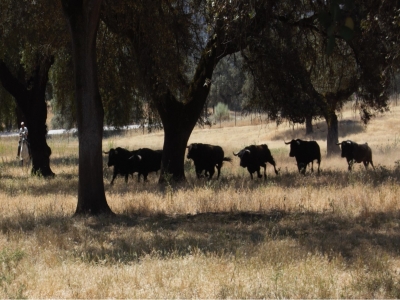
146, 160
253, 157
305, 152
206, 157
119, 158
356, 153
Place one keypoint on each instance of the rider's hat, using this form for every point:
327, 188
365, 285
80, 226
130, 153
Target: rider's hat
22, 123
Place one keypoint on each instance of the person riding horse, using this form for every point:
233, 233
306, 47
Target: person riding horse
23, 135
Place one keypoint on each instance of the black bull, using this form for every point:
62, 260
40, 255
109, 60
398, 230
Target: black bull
206, 157
119, 158
255, 156
146, 160
127, 162
356, 153
305, 152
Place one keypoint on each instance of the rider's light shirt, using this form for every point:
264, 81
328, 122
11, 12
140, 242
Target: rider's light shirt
23, 132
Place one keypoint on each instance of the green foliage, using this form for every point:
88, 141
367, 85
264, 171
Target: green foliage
335, 22
307, 67
7, 110
221, 112
63, 101
30, 30
228, 80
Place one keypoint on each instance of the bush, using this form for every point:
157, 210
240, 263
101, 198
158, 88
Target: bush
221, 112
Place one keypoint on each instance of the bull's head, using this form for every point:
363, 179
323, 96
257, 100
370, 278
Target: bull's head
191, 150
294, 145
347, 148
111, 156
243, 154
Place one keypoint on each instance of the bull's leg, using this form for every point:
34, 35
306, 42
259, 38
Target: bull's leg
366, 163
112, 180
219, 166
126, 178
319, 164
212, 171
372, 164
145, 177
350, 163
258, 172
251, 174
273, 164
198, 172
302, 168
138, 176
312, 166
265, 171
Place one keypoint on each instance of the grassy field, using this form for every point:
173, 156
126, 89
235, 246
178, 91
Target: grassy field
333, 235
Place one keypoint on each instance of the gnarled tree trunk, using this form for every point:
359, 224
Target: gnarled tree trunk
309, 126
333, 134
32, 103
179, 118
83, 18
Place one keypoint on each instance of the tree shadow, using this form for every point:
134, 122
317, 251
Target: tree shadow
127, 238
71, 160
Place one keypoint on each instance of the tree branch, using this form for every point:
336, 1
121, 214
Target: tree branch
11, 83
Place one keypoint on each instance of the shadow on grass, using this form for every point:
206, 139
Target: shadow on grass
127, 238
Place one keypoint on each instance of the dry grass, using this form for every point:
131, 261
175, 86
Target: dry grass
333, 235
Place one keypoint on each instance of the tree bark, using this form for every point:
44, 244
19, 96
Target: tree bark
83, 18
179, 118
309, 126
31, 102
333, 134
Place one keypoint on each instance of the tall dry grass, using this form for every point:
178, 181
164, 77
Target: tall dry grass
333, 235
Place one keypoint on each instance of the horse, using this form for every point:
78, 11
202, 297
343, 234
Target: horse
24, 153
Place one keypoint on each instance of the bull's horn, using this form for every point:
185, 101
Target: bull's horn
236, 154
339, 143
286, 143
106, 152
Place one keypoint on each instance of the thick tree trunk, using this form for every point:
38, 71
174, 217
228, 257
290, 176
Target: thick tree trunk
309, 126
32, 104
174, 155
83, 18
37, 136
179, 119
333, 134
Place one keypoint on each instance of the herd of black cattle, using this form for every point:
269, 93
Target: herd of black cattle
208, 157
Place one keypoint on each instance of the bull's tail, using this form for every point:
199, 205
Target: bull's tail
227, 159
272, 162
